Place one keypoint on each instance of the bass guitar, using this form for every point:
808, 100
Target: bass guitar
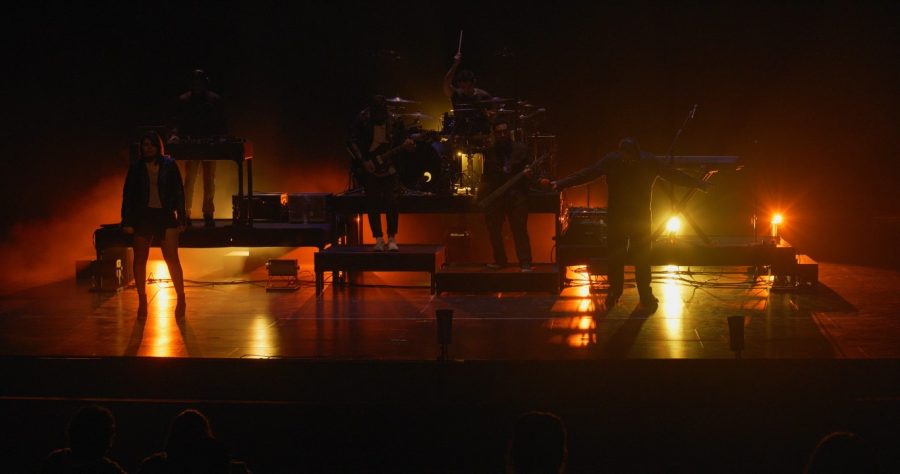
497, 193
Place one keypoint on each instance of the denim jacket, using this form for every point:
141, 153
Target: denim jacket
136, 194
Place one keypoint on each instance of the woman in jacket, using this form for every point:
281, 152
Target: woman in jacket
153, 210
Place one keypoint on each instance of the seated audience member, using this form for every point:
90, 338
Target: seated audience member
90, 435
538, 445
191, 447
841, 452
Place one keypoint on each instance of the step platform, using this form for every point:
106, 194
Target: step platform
411, 258
477, 278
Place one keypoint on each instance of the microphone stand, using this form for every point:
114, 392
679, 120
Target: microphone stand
687, 120
670, 157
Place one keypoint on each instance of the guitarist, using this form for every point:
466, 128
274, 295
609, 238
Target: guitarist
504, 159
375, 141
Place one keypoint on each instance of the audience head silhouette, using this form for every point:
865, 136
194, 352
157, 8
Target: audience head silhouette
538, 444
841, 452
91, 432
192, 447
90, 435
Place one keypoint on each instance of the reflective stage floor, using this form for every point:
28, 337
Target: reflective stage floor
348, 382
854, 312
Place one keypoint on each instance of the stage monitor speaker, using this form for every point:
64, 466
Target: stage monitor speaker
267, 207
107, 275
308, 208
584, 226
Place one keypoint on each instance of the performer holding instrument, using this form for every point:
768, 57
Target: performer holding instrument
464, 93
504, 195
469, 117
376, 140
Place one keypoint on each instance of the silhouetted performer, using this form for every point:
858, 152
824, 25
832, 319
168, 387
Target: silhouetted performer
538, 445
90, 435
200, 116
191, 448
464, 92
467, 101
630, 174
153, 209
503, 160
375, 141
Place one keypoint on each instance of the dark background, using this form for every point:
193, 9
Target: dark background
805, 93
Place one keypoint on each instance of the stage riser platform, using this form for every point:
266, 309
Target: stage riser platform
689, 256
479, 279
410, 258
260, 235
427, 204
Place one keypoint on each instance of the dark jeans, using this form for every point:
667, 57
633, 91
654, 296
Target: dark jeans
382, 195
629, 237
513, 207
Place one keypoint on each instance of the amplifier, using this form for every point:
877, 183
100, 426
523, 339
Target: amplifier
266, 207
107, 275
308, 207
584, 226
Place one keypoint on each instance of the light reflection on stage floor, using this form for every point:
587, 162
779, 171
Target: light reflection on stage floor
853, 313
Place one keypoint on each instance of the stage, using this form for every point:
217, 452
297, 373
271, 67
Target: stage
350, 380
851, 313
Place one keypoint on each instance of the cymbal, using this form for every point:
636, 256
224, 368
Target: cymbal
467, 110
505, 111
399, 100
416, 115
499, 100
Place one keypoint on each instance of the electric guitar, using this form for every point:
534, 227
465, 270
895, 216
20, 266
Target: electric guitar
497, 193
383, 156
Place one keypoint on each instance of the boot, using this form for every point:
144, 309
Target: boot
142, 306
180, 307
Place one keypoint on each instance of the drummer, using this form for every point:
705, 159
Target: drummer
465, 93
469, 102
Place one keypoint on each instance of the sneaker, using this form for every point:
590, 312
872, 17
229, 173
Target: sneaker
392, 245
495, 266
379, 245
526, 268
208, 221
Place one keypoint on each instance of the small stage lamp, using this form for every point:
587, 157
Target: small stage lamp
777, 219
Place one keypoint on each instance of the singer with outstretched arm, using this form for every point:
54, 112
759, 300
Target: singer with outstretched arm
630, 175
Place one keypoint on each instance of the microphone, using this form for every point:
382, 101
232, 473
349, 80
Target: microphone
693, 111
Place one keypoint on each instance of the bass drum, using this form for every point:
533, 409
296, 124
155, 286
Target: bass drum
420, 170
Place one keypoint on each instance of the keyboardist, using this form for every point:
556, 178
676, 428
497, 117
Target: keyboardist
200, 116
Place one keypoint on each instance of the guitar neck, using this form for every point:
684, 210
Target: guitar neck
509, 183
490, 198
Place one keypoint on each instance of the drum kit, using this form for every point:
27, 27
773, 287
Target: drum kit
451, 160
